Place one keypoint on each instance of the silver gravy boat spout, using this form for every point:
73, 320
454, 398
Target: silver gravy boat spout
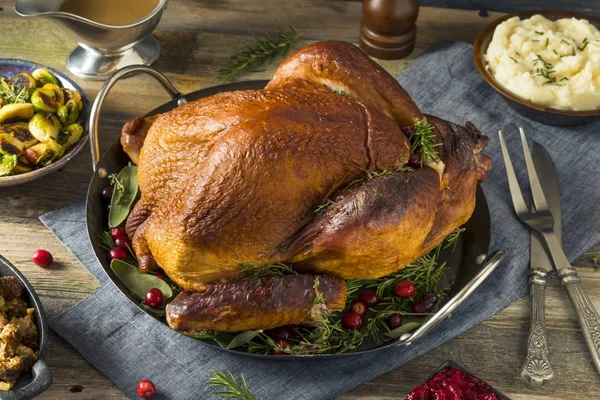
102, 49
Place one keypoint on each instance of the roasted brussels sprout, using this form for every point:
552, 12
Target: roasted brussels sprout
70, 135
7, 163
44, 126
10, 145
47, 152
48, 98
68, 113
20, 131
16, 112
44, 76
74, 95
21, 81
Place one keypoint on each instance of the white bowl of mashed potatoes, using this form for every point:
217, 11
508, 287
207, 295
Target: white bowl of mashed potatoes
545, 63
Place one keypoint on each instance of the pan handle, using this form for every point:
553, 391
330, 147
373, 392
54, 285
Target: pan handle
490, 264
95, 112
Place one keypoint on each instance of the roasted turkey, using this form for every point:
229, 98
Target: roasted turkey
282, 175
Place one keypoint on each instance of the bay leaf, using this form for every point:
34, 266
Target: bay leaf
407, 327
138, 282
123, 198
242, 338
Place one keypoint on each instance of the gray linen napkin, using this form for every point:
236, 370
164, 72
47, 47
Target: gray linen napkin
127, 345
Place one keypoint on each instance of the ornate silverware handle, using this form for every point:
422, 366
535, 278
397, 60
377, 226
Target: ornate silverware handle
588, 317
537, 369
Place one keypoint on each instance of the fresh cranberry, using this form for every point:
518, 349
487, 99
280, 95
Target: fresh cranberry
154, 298
280, 333
425, 304
146, 389
351, 321
407, 130
404, 289
418, 393
42, 258
123, 242
359, 308
414, 161
159, 276
281, 346
117, 253
107, 193
369, 299
394, 321
117, 232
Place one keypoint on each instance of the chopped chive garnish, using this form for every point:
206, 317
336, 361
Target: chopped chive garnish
539, 33
512, 59
534, 40
564, 78
547, 40
554, 51
517, 53
565, 42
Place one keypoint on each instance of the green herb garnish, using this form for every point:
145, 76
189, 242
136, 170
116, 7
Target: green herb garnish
10, 95
265, 50
534, 40
251, 271
583, 45
341, 92
227, 386
596, 263
423, 142
565, 42
547, 41
539, 33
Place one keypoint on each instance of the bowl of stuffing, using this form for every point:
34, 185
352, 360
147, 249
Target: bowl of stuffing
23, 337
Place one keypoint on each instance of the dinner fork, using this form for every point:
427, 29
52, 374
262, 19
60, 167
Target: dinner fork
540, 218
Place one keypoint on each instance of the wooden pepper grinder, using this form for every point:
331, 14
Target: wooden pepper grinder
388, 28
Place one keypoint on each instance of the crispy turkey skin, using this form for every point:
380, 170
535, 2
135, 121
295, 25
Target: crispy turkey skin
237, 177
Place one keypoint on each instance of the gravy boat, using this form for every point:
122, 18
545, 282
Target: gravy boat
102, 49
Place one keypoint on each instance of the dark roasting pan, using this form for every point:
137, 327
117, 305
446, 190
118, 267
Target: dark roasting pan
470, 264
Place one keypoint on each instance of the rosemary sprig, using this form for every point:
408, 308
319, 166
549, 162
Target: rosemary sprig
251, 271
264, 50
423, 142
227, 386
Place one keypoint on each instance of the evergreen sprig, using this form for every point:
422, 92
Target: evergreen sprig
227, 386
265, 50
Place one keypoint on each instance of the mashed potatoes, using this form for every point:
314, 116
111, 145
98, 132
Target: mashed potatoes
551, 63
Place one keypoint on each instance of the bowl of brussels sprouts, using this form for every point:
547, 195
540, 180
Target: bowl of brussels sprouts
43, 115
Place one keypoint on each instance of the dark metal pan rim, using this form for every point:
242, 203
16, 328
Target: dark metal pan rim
476, 239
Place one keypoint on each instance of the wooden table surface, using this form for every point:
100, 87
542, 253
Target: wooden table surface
197, 39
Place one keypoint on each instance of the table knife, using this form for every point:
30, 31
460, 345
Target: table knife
589, 320
537, 369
